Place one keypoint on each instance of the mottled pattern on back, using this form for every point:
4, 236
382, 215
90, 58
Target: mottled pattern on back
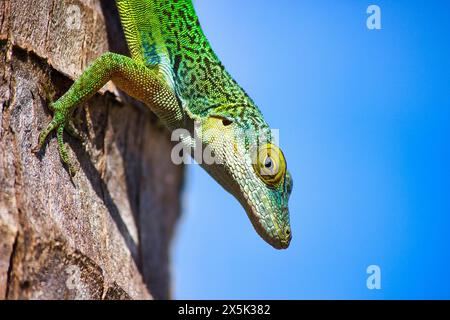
170, 35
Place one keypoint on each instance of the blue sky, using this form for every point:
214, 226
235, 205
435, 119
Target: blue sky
363, 118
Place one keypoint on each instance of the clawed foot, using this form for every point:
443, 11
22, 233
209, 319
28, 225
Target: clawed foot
61, 120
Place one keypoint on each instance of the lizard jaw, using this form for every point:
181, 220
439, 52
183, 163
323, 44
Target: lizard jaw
278, 236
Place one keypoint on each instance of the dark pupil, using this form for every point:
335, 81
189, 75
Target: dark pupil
268, 163
226, 122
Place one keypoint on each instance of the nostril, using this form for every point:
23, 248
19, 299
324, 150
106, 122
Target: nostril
288, 232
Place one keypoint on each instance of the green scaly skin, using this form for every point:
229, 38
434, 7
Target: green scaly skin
174, 71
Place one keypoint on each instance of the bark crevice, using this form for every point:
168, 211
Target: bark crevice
11, 265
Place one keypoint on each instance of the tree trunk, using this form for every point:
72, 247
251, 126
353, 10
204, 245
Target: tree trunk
105, 234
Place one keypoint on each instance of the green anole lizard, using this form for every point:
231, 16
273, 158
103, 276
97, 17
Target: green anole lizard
174, 71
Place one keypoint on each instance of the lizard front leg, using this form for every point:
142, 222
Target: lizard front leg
136, 79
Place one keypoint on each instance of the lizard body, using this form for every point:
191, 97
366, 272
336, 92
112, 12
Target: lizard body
175, 72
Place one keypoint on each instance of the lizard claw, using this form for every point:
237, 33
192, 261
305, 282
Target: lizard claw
63, 151
43, 135
58, 123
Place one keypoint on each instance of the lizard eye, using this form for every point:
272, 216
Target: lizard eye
226, 122
270, 164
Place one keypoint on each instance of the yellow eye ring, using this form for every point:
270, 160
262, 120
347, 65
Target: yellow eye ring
269, 164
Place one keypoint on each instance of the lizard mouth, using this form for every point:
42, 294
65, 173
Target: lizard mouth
278, 242
280, 238
284, 244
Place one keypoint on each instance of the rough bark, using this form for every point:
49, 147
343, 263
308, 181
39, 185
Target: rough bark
107, 233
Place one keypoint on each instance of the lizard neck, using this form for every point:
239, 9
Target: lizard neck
187, 59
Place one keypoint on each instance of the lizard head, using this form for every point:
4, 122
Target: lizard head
255, 173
